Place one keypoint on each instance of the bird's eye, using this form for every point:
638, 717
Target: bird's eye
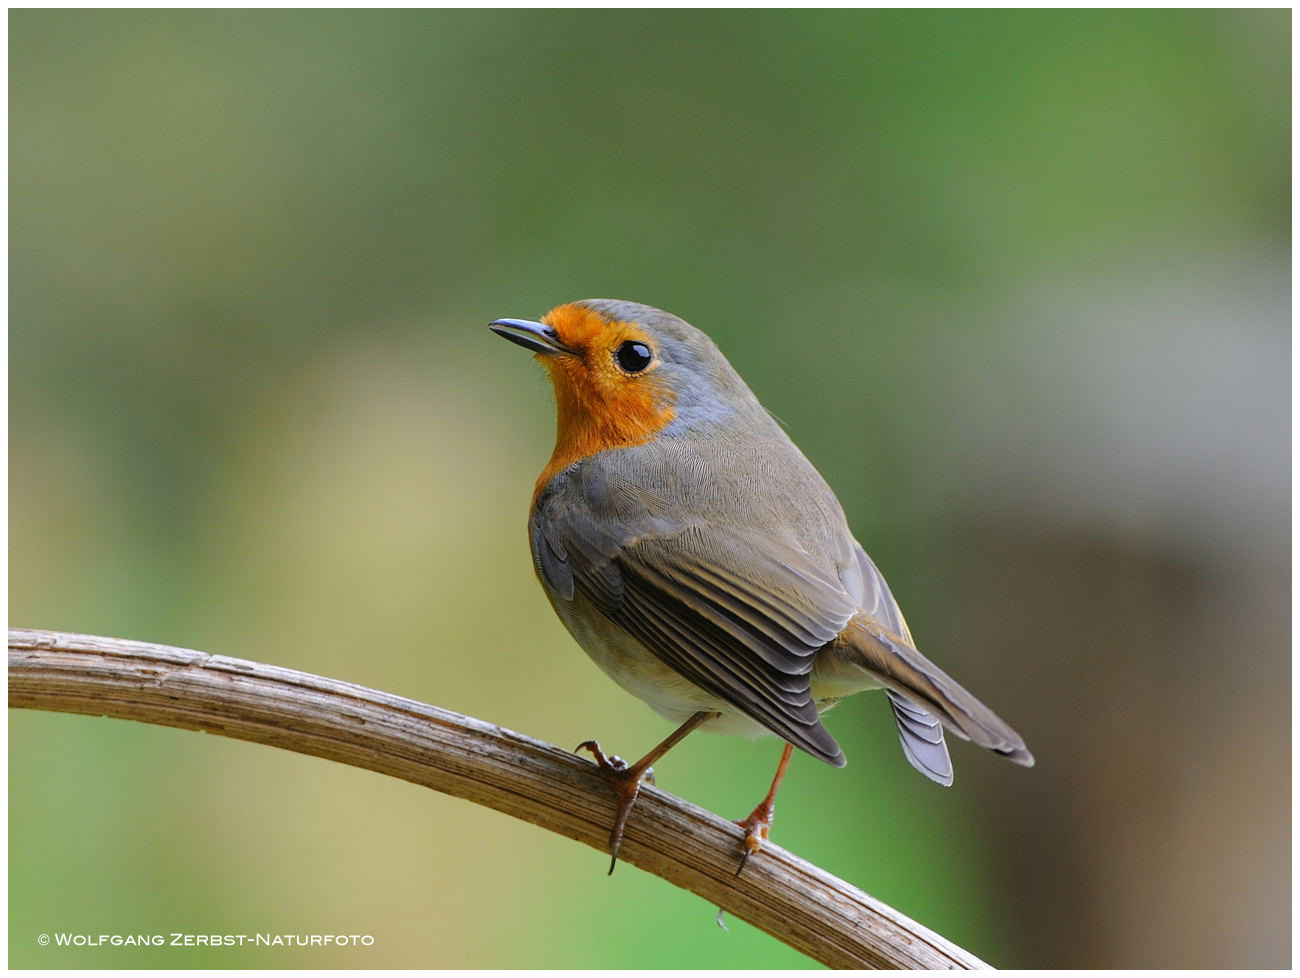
633, 356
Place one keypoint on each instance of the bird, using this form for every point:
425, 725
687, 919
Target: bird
702, 562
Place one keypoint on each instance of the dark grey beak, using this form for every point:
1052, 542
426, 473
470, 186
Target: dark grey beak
537, 337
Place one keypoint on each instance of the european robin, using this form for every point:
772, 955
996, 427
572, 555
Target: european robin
705, 565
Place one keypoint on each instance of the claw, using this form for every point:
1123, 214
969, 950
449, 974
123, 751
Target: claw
627, 785
756, 827
627, 779
610, 763
741, 868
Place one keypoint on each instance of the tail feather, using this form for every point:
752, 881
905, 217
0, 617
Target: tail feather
922, 738
912, 678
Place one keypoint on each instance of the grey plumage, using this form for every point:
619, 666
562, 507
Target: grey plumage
922, 738
697, 593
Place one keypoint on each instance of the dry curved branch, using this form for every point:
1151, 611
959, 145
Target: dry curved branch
792, 900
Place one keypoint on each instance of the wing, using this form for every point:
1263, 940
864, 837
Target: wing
737, 613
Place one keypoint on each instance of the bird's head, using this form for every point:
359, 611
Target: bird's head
624, 373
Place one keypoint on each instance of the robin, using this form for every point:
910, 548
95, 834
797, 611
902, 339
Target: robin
705, 565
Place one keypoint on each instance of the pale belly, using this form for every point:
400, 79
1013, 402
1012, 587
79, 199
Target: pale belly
645, 676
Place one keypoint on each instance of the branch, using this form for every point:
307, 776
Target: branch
792, 900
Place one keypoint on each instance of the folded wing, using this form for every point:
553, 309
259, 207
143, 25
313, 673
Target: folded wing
738, 615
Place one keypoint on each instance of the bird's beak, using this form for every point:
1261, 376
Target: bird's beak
537, 337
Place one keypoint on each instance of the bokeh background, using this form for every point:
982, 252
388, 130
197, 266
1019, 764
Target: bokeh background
1017, 282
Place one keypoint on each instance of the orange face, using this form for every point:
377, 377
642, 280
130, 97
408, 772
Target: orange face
600, 404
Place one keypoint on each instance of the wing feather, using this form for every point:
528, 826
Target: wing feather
737, 615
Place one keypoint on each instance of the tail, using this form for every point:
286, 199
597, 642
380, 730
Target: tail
917, 686
922, 738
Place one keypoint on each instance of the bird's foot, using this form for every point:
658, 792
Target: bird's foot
626, 781
756, 827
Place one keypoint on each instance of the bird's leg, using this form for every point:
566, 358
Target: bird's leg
759, 822
627, 780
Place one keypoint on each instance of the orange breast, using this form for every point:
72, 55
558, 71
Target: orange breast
598, 406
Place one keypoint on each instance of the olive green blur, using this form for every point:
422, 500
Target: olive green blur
1016, 282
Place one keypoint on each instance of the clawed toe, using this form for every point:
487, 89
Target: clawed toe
611, 764
627, 779
759, 822
626, 782
756, 827
755, 833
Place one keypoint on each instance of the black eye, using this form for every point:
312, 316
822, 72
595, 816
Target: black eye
633, 356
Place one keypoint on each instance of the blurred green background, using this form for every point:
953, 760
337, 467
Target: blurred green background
1017, 282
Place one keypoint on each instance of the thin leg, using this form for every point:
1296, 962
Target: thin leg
760, 819
627, 780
